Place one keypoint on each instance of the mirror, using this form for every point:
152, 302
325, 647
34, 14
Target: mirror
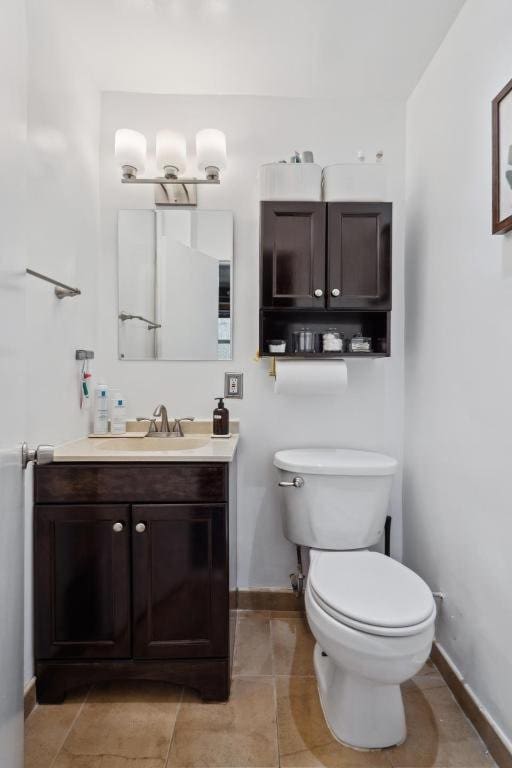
175, 279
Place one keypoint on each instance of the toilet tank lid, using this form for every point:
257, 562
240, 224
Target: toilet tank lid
335, 461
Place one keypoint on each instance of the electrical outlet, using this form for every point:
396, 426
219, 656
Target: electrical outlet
234, 385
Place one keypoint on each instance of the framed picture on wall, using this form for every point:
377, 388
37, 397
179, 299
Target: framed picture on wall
502, 161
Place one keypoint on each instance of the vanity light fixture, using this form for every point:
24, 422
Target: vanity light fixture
171, 156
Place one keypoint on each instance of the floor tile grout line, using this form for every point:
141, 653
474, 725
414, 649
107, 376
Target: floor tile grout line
72, 725
272, 657
272, 674
236, 642
274, 687
166, 761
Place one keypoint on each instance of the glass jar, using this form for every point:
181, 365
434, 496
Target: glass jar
359, 343
304, 340
332, 340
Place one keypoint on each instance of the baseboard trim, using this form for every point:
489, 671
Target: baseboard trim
269, 600
490, 733
29, 697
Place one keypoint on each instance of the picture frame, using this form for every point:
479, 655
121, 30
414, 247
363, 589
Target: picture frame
502, 161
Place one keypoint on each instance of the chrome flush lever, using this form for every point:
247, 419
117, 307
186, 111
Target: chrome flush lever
297, 482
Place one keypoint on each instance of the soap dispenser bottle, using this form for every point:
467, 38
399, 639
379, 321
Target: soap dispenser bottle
220, 418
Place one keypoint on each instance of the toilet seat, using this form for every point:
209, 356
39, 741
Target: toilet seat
371, 593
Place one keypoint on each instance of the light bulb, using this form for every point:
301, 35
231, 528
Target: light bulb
130, 151
171, 152
211, 152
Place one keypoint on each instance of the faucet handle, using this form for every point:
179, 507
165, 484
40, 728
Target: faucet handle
152, 423
176, 427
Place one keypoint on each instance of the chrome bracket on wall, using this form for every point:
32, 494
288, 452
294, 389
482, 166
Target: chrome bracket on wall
43, 454
175, 194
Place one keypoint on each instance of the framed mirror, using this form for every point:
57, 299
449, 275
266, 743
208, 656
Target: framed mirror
175, 274
502, 161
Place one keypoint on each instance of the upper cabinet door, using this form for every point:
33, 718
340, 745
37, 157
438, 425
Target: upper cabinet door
82, 581
180, 581
359, 255
293, 254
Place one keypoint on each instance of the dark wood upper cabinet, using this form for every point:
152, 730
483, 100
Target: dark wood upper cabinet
82, 581
180, 584
359, 255
292, 254
325, 266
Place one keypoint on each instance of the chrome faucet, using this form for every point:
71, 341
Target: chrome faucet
165, 429
161, 411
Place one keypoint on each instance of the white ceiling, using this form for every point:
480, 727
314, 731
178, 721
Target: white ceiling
378, 48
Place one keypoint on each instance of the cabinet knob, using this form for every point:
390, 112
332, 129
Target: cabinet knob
118, 527
140, 527
318, 293
335, 292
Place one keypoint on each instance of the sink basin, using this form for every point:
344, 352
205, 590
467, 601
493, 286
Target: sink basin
137, 444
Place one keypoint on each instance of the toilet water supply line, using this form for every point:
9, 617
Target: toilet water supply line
297, 578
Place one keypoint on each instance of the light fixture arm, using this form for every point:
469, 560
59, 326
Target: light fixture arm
164, 180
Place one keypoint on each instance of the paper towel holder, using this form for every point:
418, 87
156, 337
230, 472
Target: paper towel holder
272, 366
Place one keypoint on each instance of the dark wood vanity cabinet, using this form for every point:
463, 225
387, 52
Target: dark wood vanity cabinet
179, 589
325, 265
82, 581
127, 585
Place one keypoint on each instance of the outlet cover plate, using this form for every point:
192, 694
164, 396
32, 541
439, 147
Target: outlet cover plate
234, 385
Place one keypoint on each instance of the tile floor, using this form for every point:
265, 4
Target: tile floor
273, 717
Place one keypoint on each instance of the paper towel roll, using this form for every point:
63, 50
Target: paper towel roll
310, 377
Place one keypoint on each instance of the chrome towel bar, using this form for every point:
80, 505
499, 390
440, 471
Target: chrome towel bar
151, 323
61, 289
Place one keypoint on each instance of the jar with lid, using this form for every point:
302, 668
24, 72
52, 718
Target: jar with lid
360, 343
304, 340
332, 340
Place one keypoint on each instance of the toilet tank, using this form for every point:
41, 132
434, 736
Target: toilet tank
334, 498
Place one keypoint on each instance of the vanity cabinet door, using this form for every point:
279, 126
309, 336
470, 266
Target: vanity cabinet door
293, 255
359, 255
82, 581
180, 581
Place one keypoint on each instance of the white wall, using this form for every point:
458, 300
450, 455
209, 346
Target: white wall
458, 448
62, 227
13, 126
370, 414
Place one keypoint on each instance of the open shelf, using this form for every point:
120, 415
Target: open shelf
282, 323
322, 355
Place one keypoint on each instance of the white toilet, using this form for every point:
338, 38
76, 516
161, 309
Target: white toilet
372, 618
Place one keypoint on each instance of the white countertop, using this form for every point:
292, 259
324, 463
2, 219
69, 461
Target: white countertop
136, 447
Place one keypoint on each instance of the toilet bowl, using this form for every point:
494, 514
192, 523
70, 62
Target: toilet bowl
372, 617
373, 622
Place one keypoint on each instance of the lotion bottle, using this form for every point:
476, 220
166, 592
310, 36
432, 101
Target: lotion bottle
118, 419
100, 418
